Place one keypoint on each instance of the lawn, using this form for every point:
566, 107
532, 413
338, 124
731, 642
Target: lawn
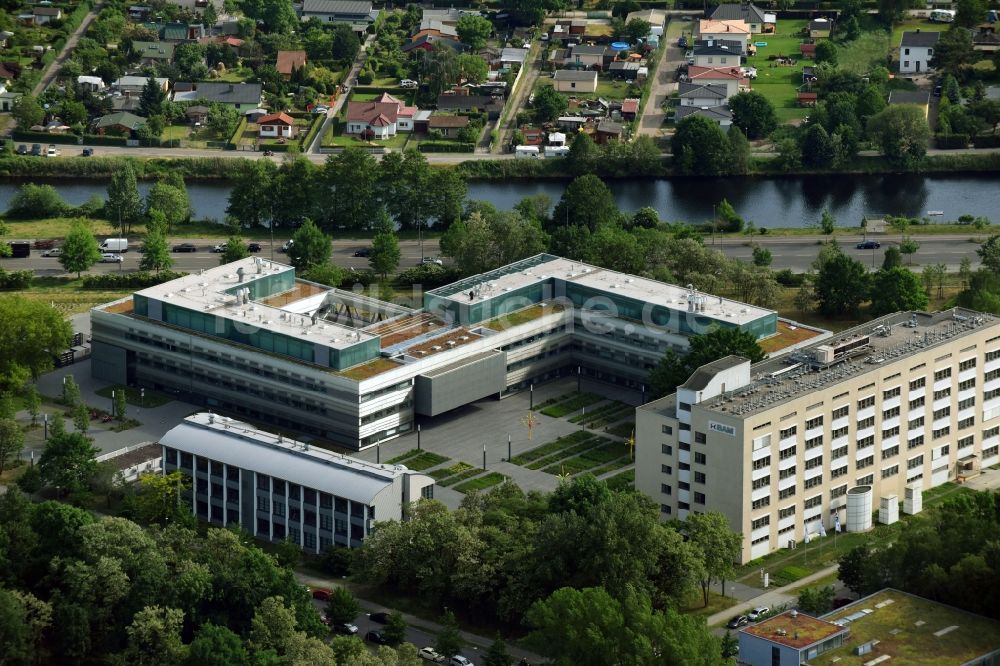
523, 316
606, 88
370, 369
605, 452
175, 132
417, 460
445, 472
573, 404
912, 25
781, 83
623, 481
133, 396
481, 483
551, 448
335, 137
716, 603
68, 296
867, 50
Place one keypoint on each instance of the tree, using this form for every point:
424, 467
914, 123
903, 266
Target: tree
81, 417
438, 68
761, 256
970, 13
223, 119
310, 247
472, 68
817, 147
717, 343
548, 104
586, 202
637, 30
989, 253
27, 112
826, 52
151, 98
79, 249
965, 272
700, 147
350, 179
909, 247
448, 641
121, 404
645, 218
341, 607
11, 442
891, 11
345, 44
158, 497
394, 631
236, 249
36, 201
216, 646
32, 402
816, 600
124, 206
902, 134
583, 155
156, 253
497, 655
171, 199
251, 199
68, 461
841, 285
15, 643
950, 89
753, 113
385, 252
30, 331
954, 51
719, 547
154, 637
893, 258
326, 273
730, 645
896, 289
739, 151
827, 223
473, 31
70, 392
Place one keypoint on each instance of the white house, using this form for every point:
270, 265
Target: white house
276, 126
716, 54
737, 30
90, 83
731, 78
697, 94
380, 119
916, 50
717, 114
752, 15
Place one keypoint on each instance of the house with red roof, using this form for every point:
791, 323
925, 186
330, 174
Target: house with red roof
380, 119
731, 78
289, 61
630, 108
276, 126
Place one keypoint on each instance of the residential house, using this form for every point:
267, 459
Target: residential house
808, 50
380, 119
9, 71
747, 12
289, 61
197, 114
426, 42
570, 28
177, 31
585, 56
359, 14
459, 103
131, 103
448, 16
712, 54
509, 57
121, 123
133, 85
276, 126
571, 123
152, 53
656, 18
90, 83
42, 15
919, 98
624, 70
449, 126
630, 108
985, 38
916, 50
718, 114
436, 28
699, 94
735, 30
253, 115
242, 96
573, 80
607, 131
820, 28
731, 78
139, 12
7, 100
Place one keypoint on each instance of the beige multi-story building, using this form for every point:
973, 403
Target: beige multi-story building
898, 405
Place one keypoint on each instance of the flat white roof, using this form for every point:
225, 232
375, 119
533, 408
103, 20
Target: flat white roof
601, 279
243, 445
206, 292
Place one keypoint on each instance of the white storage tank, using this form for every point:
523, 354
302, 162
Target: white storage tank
859, 509
888, 510
913, 499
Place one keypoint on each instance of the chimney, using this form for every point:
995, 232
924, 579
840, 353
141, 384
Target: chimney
231, 87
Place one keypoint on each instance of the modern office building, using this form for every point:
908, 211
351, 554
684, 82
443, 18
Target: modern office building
278, 488
803, 442
250, 339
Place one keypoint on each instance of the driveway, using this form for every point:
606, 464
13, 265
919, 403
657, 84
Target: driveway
342, 99
663, 86
53, 70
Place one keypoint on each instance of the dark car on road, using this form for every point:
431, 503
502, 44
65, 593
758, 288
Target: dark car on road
738, 621
869, 245
376, 637
185, 247
36, 149
22, 149
682, 42
321, 594
253, 247
363, 252
381, 618
87, 152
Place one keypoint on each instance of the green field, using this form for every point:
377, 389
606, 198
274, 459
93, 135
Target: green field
453, 470
418, 460
781, 83
623, 481
911, 25
481, 483
605, 452
551, 448
574, 404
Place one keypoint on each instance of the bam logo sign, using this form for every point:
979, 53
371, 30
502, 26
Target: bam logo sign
723, 428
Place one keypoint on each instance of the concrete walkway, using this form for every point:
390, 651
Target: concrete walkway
769, 598
53, 70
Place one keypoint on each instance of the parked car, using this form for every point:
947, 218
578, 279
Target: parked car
52, 151
54, 252
432, 655
253, 247
185, 247
376, 637
36, 149
319, 110
459, 660
758, 613
738, 621
347, 629
408, 83
363, 252
288, 244
22, 149
109, 258
431, 260
46, 244
219, 248
869, 245
937, 90
87, 152
381, 618
321, 593
682, 42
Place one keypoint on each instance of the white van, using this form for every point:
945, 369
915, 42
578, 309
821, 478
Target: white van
556, 151
526, 152
115, 245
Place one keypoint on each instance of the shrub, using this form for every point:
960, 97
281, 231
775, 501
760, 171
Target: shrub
787, 278
986, 141
15, 279
951, 140
428, 275
36, 201
446, 147
139, 280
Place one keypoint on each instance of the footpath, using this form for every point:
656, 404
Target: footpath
770, 598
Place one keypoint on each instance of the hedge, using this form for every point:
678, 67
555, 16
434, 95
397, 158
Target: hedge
193, 168
15, 279
234, 140
139, 280
986, 141
446, 147
313, 130
70, 139
951, 140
